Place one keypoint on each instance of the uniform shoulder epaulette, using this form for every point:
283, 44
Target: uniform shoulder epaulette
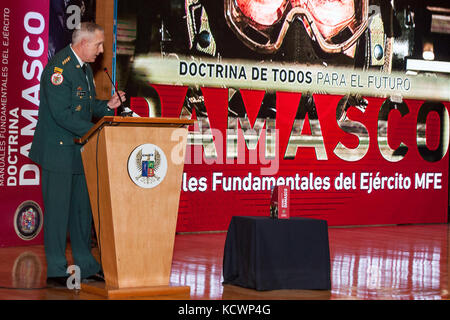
66, 60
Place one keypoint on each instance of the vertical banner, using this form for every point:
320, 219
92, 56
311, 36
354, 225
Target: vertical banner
23, 47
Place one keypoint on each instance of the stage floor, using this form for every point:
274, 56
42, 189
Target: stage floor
387, 262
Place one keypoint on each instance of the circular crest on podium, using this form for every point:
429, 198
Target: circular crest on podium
28, 220
147, 166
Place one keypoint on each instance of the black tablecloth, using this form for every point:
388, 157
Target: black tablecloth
270, 254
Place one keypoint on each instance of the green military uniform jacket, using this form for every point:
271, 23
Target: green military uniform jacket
67, 106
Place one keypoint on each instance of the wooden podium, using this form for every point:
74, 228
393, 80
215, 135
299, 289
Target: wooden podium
133, 169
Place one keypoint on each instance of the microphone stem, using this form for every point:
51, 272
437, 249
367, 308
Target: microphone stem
123, 113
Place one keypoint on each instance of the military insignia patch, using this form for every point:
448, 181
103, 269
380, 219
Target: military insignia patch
57, 78
147, 166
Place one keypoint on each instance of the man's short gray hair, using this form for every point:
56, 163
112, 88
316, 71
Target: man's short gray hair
84, 30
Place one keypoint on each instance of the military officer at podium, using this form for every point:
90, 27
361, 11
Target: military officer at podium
67, 105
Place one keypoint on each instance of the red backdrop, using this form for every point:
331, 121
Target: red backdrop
24, 45
376, 191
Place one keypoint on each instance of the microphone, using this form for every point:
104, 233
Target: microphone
123, 112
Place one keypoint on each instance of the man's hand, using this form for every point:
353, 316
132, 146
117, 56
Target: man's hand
114, 102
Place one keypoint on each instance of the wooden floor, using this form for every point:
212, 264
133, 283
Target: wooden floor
388, 262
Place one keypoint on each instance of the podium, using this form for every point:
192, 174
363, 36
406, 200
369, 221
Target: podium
133, 169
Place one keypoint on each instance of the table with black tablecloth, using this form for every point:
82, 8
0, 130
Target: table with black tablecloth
270, 254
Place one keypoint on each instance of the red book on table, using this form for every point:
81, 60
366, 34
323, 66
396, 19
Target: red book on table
279, 203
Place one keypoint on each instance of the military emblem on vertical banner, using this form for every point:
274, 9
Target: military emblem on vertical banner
147, 165
28, 220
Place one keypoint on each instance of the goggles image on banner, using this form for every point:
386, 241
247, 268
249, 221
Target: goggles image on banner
262, 24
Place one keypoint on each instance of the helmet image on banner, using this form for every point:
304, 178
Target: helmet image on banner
263, 24
147, 166
28, 220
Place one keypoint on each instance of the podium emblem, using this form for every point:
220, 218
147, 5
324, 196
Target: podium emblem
147, 165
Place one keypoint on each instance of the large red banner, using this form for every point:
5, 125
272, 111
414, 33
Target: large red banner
339, 100
23, 48
384, 164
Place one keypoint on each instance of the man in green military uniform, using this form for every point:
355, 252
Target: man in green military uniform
67, 105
